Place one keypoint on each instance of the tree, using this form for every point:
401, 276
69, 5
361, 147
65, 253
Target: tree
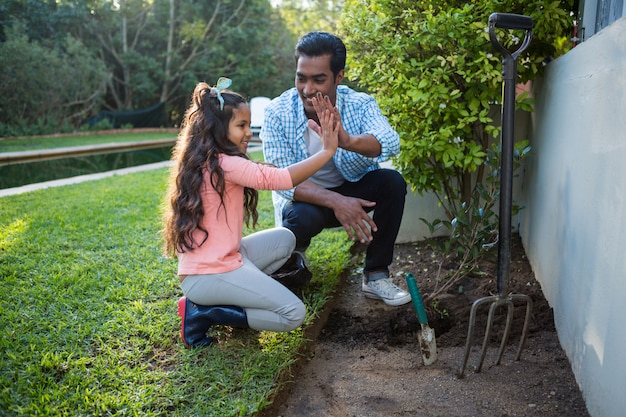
157, 51
46, 89
153, 51
46, 21
306, 16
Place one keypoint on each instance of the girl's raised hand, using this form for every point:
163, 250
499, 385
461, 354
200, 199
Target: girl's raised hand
329, 125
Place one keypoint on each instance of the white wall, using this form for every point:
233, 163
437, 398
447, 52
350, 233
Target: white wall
574, 227
426, 206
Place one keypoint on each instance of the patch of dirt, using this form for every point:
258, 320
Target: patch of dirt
365, 358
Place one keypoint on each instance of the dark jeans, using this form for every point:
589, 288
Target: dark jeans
386, 187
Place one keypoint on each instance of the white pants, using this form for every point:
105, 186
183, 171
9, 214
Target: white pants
268, 304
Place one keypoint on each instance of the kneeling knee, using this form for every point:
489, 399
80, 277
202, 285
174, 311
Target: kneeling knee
396, 182
294, 316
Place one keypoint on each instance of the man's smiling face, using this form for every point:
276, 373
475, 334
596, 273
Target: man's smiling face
313, 75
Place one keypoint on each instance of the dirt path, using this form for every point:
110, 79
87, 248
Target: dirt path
366, 360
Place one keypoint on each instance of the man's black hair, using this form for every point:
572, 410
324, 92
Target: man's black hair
315, 44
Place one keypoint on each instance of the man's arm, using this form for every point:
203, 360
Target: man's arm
348, 210
364, 144
363, 117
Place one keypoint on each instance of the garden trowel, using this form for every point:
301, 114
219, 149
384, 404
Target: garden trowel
428, 344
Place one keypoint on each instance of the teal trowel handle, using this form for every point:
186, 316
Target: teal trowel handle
418, 304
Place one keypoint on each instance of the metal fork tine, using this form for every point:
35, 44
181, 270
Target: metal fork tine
529, 309
507, 330
470, 332
496, 302
483, 350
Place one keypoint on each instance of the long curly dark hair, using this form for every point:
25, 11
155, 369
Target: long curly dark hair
203, 137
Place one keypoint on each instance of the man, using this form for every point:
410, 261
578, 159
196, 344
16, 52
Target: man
352, 183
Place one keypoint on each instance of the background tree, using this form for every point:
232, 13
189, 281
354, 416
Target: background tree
306, 16
46, 89
156, 51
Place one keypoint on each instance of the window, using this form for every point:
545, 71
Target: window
595, 15
608, 12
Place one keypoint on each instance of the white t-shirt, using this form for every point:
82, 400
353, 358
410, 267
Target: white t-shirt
328, 176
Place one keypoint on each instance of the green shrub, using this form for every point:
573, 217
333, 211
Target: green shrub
437, 77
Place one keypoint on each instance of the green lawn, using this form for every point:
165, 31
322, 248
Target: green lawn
88, 323
37, 143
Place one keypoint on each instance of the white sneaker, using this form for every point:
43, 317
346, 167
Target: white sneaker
384, 289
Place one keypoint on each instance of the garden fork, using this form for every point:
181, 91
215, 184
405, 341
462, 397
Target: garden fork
502, 298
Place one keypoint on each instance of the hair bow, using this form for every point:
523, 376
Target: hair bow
222, 84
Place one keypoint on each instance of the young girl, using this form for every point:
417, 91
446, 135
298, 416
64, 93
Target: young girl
213, 190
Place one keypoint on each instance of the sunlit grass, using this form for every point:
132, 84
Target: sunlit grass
88, 322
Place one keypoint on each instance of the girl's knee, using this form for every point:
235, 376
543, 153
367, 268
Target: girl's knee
288, 236
294, 316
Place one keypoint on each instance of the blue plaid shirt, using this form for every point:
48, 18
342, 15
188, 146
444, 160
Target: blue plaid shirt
283, 130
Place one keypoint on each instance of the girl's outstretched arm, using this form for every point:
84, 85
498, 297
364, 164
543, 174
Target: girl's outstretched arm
329, 135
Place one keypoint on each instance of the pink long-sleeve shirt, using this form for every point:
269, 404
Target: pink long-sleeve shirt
220, 252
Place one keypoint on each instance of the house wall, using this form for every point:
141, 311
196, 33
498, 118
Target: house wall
574, 225
417, 207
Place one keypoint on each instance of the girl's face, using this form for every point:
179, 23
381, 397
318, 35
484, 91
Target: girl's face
239, 131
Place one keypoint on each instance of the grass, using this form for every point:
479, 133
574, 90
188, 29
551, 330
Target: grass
88, 323
62, 141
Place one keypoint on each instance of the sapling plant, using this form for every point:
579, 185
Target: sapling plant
474, 229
